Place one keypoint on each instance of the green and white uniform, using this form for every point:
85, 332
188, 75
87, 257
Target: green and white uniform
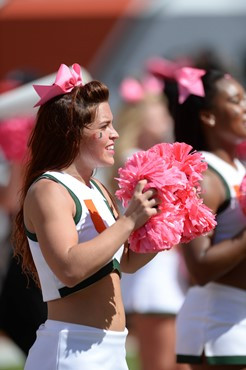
213, 317
63, 345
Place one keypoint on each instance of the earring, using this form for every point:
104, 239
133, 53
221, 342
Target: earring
212, 121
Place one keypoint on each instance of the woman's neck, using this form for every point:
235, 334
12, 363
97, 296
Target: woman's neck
81, 174
227, 156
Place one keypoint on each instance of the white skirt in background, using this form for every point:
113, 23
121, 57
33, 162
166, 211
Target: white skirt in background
65, 346
212, 319
157, 288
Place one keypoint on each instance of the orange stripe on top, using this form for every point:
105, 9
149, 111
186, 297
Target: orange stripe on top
96, 218
237, 190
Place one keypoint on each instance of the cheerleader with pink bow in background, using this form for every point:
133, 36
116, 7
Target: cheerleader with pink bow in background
69, 234
209, 112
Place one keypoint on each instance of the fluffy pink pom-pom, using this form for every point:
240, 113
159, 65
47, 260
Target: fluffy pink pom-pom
198, 218
159, 233
175, 172
180, 156
14, 134
242, 197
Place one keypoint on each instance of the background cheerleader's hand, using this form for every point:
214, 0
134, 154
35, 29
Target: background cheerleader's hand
143, 205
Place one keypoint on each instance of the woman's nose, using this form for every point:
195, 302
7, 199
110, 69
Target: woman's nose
114, 134
243, 102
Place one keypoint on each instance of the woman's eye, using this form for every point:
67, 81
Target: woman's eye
104, 127
234, 100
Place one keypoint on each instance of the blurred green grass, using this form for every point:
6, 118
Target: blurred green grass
133, 362
11, 368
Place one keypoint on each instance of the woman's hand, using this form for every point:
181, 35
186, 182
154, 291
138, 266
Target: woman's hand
143, 205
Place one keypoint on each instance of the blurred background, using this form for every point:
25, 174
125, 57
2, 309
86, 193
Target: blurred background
110, 40
114, 38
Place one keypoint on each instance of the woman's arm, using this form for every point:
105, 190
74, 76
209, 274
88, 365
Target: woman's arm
9, 194
207, 261
131, 261
49, 212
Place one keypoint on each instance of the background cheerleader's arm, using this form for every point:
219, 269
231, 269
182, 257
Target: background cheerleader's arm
9, 193
207, 261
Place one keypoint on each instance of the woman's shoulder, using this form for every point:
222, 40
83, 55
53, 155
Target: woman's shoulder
46, 191
213, 190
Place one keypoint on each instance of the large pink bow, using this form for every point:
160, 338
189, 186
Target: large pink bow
189, 82
188, 78
132, 90
161, 67
66, 80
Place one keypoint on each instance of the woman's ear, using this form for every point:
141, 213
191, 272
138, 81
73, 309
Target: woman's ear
208, 118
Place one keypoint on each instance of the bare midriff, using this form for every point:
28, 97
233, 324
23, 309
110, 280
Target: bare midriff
99, 305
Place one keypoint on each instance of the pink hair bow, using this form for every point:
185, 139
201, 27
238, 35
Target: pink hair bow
162, 67
188, 78
132, 90
189, 82
66, 80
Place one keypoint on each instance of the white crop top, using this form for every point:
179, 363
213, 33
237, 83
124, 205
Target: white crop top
93, 215
230, 218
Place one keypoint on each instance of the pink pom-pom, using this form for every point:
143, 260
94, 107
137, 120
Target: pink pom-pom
242, 195
159, 233
14, 134
180, 156
175, 172
198, 218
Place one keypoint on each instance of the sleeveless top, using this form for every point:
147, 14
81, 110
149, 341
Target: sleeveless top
230, 218
93, 215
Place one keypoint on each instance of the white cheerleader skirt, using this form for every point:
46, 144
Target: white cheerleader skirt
64, 346
157, 288
212, 321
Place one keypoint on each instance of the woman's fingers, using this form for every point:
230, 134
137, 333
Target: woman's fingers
154, 202
140, 189
140, 186
149, 195
143, 205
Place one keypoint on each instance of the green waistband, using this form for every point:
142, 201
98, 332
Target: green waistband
113, 265
212, 360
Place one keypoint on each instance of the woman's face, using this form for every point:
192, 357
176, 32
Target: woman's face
97, 146
229, 109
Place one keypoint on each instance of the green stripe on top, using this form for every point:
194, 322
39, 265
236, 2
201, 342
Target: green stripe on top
226, 360
212, 360
78, 213
106, 201
30, 235
113, 265
188, 359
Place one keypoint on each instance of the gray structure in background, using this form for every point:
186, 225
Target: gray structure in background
173, 28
